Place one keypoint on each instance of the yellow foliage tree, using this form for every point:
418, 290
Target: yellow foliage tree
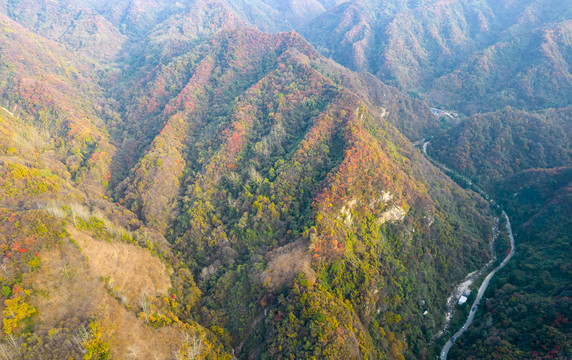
15, 311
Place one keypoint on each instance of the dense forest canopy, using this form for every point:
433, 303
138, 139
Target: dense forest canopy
202, 179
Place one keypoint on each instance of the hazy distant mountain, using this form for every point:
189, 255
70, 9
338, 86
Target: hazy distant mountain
472, 56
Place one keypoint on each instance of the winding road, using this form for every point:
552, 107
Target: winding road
486, 282
480, 294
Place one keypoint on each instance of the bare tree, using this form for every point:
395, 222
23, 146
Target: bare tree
65, 270
6, 353
80, 338
132, 351
11, 350
145, 305
191, 347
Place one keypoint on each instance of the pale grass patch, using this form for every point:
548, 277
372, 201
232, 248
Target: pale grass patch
79, 211
30, 138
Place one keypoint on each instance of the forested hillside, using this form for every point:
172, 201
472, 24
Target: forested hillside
492, 146
289, 185
473, 56
524, 159
196, 180
528, 308
247, 164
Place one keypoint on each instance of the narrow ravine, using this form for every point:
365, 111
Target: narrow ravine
470, 278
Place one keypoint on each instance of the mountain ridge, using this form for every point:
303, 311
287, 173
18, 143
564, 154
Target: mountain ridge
273, 194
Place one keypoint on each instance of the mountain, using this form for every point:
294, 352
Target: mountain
177, 183
505, 67
456, 54
54, 92
492, 146
526, 312
66, 277
227, 161
81, 28
524, 159
469, 56
282, 188
493, 78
